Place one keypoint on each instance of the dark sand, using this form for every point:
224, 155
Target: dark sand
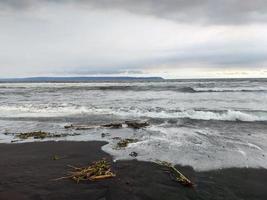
27, 169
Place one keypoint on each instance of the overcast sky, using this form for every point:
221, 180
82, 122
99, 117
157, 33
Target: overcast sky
170, 38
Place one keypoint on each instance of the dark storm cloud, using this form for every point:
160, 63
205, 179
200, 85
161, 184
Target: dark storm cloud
199, 11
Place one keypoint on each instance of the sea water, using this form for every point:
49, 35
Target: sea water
207, 124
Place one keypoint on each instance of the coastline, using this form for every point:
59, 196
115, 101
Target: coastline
27, 170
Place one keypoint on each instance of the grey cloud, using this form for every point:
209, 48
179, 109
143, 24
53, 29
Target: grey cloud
87, 71
226, 59
199, 11
213, 55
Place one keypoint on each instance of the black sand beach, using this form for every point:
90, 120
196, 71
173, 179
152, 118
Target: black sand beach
27, 171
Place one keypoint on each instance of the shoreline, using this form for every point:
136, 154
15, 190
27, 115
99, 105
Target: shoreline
27, 170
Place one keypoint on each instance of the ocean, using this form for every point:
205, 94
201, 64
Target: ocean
206, 124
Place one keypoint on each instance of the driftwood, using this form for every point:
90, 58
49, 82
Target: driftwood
96, 171
135, 124
87, 127
178, 176
80, 127
57, 157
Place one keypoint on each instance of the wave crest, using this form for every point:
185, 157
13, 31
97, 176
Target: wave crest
68, 110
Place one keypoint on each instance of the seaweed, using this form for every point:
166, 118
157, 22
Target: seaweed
176, 174
116, 138
41, 135
57, 157
80, 127
112, 125
136, 124
34, 134
87, 127
98, 170
124, 143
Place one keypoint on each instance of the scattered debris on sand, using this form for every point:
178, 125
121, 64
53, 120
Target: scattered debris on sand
80, 127
34, 134
57, 157
69, 126
113, 125
135, 124
98, 170
124, 143
176, 174
41, 135
116, 138
88, 127
14, 141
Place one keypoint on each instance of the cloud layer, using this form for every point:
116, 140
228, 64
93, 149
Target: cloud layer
141, 37
200, 11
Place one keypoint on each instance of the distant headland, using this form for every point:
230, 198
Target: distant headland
80, 79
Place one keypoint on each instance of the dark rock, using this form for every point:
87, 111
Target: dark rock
68, 126
136, 124
133, 154
113, 125
116, 138
105, 134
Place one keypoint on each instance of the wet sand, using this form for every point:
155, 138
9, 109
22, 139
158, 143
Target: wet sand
27, 171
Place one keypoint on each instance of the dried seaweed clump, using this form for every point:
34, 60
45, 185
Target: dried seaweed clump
124, 143
176, 174
112, 125
135, 124
35, 135
96, 171
41, 135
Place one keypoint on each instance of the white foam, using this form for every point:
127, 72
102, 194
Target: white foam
230, 89
185, 146
242, 152
31, 110
229, 115
254, 146
179, 145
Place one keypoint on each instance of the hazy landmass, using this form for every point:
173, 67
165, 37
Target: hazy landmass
80, 79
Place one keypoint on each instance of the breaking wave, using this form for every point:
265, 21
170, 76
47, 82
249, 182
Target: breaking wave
48, 87
234, 89
229, 115
68, 110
